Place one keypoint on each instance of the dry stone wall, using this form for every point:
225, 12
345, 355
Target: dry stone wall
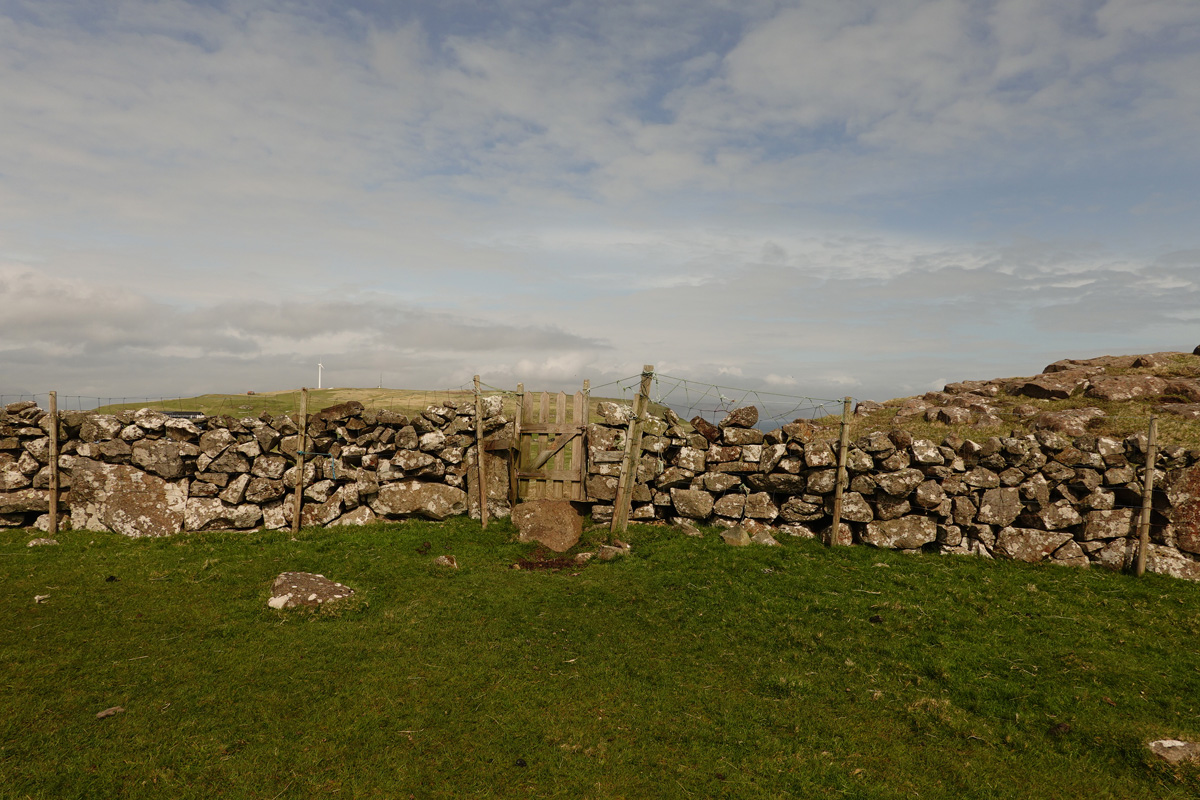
144, 473
1044, 497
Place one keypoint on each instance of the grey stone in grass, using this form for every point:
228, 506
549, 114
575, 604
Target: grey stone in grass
294, 589
736, 536
1176, 751
40, 542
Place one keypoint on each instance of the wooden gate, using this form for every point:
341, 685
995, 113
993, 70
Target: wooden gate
551, 451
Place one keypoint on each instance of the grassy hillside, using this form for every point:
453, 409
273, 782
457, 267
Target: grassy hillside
687, 669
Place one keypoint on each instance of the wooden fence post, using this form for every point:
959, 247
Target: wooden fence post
300, 452
633, 452
843, 446
52, 500
514, 451
1147, 493
480, 470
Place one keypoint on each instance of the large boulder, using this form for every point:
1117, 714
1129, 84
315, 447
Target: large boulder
692, 503
905, 533
553, 523
1122, 388
415, 499
159, 457
125, 500
1000, 506
210, 513
1052, 386
1028, 544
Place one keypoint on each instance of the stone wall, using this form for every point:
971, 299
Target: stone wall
1043, 497
147, 474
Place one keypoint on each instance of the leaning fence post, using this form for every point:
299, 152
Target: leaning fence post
843, 445
633, 451
300, 452
52, 498
1147, 496
480, 471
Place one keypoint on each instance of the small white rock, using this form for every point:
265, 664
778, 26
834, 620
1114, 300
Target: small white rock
279, 601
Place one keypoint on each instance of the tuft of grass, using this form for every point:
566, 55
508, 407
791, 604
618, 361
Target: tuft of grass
685, 669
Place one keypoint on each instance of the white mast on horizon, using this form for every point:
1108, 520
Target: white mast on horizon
319, 368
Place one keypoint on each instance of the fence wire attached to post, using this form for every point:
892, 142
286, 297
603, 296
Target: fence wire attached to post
633, 453
1147, 496
843, 446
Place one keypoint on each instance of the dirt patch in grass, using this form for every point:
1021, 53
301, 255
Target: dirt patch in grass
545, 559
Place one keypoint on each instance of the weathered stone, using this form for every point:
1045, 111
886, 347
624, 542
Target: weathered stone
926, 452
746, 417
150, 420
124, 500
1071, 555
822, 481
414, 499
802, 509
235, 491
690, 459
981, 478
736, 536
1169, 561
602, 487
159, 457
1059, 515
999, 506
714, 455
182, 430
930, 495
209, 513
740, 436
271, 467
1052, 386
1123, 388
215, 442
730, 505
495, 468
553, 523
263, 490
100, 427
1028, 544
692, 503
706, 429
764, 538
760, 506
819, 454
888, 507
1176, 751
294, 589
1114, 524
615, 413
898, 460
434, 440
907, 533
1071, 421
901, 483
855, 508
230, 461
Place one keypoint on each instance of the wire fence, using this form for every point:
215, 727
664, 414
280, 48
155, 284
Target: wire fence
710, 401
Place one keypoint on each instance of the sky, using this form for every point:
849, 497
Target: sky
820, 199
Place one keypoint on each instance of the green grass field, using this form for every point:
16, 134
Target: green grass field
687, 669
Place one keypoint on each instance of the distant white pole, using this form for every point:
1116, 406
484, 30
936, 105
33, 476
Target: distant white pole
319, 368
